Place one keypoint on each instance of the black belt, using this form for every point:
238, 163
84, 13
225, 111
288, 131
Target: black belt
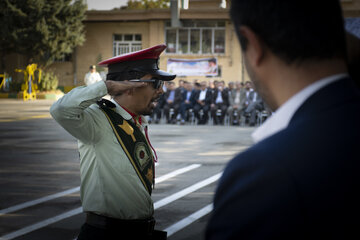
141, 226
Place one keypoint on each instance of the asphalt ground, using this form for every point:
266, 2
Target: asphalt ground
39, 174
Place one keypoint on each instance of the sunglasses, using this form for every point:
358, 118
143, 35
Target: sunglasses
157, 84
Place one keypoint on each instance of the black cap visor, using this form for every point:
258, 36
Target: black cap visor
161, 75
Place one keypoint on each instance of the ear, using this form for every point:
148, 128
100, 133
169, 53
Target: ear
255, 49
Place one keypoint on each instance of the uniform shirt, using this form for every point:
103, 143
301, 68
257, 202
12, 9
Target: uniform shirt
91, 78
109, 183
281, 118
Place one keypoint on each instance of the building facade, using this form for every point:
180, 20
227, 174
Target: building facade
205, 31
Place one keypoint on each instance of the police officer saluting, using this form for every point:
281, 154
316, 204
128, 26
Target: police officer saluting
116, 156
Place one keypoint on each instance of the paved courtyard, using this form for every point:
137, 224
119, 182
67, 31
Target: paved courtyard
39, 174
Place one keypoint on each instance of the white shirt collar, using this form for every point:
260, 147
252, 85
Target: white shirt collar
281, 118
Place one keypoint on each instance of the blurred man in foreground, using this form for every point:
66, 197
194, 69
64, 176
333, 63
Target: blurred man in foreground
300, 180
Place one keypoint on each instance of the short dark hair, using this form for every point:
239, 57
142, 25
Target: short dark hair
295, 30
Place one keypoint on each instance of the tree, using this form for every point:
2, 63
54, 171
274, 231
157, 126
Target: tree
147, 4
42, 30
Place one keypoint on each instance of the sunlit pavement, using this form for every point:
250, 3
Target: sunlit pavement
39, 173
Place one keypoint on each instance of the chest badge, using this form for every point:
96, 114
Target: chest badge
142, 155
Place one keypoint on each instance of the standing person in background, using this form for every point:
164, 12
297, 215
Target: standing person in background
301, 178
117, 160
92, 76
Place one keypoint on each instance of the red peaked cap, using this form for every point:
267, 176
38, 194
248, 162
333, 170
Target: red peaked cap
143, 61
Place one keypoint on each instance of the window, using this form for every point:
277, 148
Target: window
183, 41
171, 40
196, 37
126, 43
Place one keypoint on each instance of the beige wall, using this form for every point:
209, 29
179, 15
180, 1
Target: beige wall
64, 71
99, 41
99, 37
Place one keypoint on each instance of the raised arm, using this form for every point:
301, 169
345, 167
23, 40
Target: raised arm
73, 111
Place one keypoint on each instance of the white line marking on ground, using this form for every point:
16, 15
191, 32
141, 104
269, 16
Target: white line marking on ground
188, 220
176, 172
73, 190
76, 211
41, 224
186, 191
37, 201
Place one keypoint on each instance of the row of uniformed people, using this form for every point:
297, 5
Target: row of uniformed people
237, 100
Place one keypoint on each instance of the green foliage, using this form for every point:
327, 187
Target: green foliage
49, 82
15, 85
147, 4
43, 30
99, 59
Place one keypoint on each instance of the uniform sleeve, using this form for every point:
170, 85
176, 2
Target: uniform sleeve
74, 114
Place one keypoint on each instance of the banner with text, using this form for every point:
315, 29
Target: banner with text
193, 67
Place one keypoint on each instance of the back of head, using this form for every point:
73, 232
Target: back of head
296, 30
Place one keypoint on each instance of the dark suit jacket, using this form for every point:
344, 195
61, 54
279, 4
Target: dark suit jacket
224, 94
302, 182
208, 96
251, 97
177, 98
232, 95
192, 96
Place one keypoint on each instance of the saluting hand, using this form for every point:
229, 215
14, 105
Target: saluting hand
116, 87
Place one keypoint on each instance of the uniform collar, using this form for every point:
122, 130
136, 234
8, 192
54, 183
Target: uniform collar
133, 115
127, 115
